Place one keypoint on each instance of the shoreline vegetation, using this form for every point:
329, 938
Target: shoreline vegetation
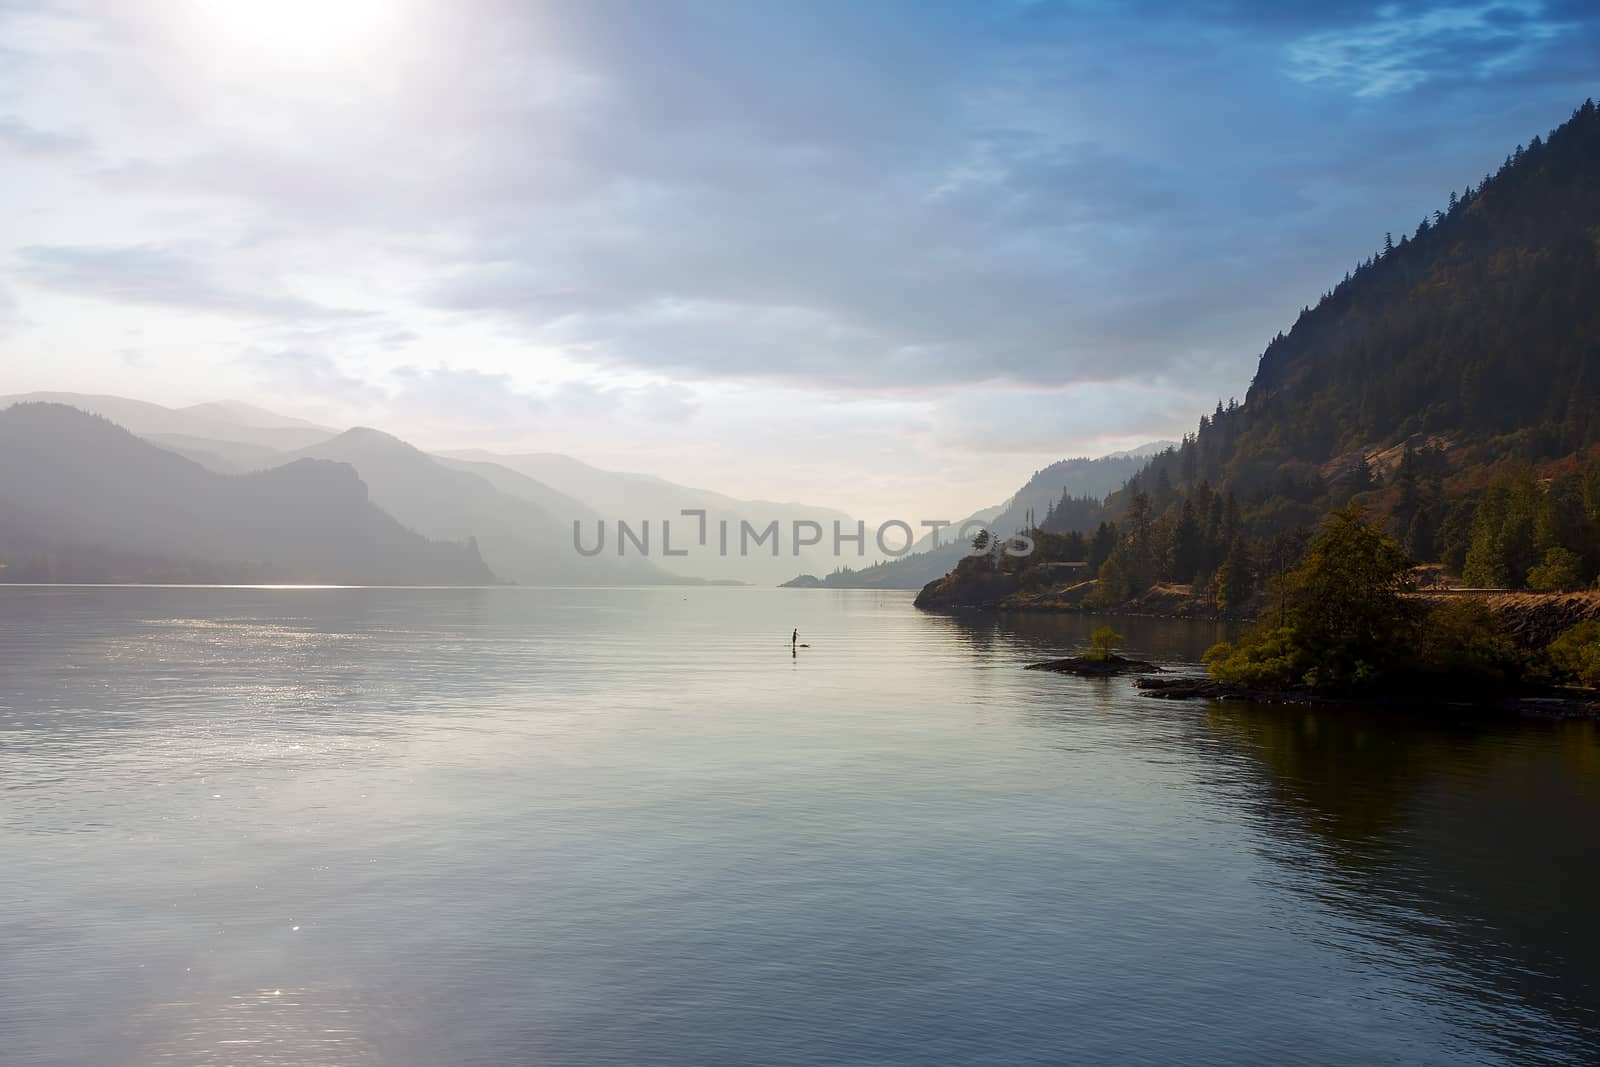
1347, 625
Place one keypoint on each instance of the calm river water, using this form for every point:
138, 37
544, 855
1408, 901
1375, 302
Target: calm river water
516, 826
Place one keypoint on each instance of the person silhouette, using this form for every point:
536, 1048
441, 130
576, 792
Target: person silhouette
794, 639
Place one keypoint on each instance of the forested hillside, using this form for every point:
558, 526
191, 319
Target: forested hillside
1450, 383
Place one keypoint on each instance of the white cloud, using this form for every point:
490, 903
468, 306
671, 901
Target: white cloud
164, 277
24, 139
1402, 49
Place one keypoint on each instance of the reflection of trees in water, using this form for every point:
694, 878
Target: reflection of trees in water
1044, 635
1464, 851
1009, 641
979, 632
1477, 841
1344, 778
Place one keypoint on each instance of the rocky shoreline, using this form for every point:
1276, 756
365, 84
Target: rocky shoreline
1531, 619
1199, 687
1095, 666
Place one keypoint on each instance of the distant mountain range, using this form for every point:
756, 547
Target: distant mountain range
238, 424
510, 517
82, 499
634, 498
518, 511
522, 527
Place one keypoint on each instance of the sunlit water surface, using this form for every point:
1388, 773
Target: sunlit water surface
428, 827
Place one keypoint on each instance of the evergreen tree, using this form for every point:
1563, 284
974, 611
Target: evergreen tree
1185, 553
1420, 540
1105, 539
1235, 585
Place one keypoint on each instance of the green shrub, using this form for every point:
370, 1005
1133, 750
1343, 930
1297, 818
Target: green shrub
1347, 625
1576, 653
1560, 571
1103, 643
1264, 658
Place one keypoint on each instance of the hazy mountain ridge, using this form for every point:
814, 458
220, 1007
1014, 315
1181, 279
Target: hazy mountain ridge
634, 498
223, 457
519, 536
1096, 477
86, 500
523, 524
232, 411
1082, 476
238, 423
520, 507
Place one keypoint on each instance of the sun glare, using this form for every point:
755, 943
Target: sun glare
300, 30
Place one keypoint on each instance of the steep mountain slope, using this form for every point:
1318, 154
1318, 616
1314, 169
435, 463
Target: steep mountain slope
1483, 323
1479, 333
1450, 384
82, 499
520, 539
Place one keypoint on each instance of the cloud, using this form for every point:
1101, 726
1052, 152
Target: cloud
398, 339
978, 268
897, 206
666, 402
486, 405
163, 277
1095, 415
304, 374
1401, 49
1054, 223
461, 398
23, 139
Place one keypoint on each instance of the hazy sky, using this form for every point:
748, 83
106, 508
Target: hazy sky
891, 257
